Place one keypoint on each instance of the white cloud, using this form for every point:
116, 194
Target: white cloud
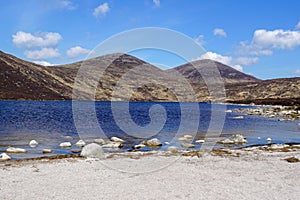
217, 57
264, 42
297, 26
236, 63
44, 63
220, 32
67, 5
42, 54
101, 10
23, 39
156, 3
77, 51
200, 40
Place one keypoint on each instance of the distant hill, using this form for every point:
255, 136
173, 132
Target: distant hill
138, 81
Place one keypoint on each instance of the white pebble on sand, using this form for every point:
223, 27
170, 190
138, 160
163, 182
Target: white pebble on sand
92, 151
154, 142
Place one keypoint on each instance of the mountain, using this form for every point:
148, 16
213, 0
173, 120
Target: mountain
122, 77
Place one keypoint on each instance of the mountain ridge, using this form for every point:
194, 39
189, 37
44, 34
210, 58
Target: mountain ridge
140, 80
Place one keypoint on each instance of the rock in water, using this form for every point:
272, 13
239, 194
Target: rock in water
172, 149
80, 143
33, 143
99, 141
154, 142
47, 151
200, 141
15, 150
238, 139
187, 145
269, 140
116, 139
113, 145
65, 144
4, 156
189, 137
226, 141
92, 151
139, 146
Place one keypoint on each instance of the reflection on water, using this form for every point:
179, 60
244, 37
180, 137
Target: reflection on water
49, 122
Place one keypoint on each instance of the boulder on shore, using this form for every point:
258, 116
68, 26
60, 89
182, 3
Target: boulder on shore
4, 157
92, 150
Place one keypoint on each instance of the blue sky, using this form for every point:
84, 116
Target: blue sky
261, 38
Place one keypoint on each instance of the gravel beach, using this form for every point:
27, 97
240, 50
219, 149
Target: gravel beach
235, 174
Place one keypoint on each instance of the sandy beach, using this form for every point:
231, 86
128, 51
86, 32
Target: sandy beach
238, 174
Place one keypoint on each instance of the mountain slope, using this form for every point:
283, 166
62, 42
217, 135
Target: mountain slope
127, 78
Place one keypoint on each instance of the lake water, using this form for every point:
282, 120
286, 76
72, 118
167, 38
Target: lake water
49, 122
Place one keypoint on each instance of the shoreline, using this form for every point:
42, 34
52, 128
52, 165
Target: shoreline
209, 175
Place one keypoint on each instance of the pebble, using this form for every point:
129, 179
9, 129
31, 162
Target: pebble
200, 141
4, 156
167, 143
189, 137
80, 143
65, 144
183, 139
33, 143
226, 141
154, 142
113, 145
47, 151
116, 139
187, 145
139, 146
268, 140
278, 146
99, 141
15, 150
172, 149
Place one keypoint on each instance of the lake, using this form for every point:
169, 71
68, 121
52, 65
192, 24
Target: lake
53, 122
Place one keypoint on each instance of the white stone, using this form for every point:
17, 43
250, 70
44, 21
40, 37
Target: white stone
187, 145
172, 149
92, 150
68, 137
200, 141
259, 138
47, 151
238, 117
226, 141
189, 137
167, 143
99, 141
183, 139
65, 144
154, 142
33, 143
4, 156
80, 143
228, 111
278, 146
116, 139
113, 145
139, 146
269, 140
238, 139
15, 150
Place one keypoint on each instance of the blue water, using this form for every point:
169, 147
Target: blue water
49, 122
